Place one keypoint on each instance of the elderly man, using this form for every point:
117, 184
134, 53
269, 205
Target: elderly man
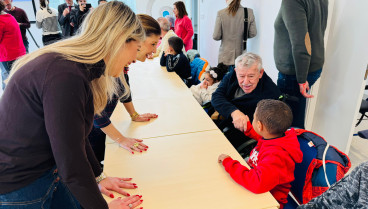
65, 22
22, 19
166, 33
237, 96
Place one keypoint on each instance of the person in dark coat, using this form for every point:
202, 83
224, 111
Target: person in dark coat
238, 94
64, 10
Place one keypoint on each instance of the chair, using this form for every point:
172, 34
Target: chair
363, 109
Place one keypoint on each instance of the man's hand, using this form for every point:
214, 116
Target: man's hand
240, 120
66, 12
304, 87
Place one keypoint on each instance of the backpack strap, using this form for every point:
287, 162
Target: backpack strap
292, 197
324, 164
245, 35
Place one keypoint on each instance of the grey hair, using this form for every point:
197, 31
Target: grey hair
164, 23
247, 60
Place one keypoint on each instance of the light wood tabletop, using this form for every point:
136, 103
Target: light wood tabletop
175, 116
182, 171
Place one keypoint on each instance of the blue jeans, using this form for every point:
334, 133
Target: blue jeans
46, 192
289, 85
5, 70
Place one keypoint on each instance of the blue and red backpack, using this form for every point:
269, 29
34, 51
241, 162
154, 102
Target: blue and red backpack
322, 166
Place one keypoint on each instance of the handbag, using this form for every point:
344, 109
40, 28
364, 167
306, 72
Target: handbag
245, 35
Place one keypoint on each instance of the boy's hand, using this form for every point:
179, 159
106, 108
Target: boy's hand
222, 157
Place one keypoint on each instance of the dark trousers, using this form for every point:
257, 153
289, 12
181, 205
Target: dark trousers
97, 142
289, 85
52, 38
5, 70
26, 45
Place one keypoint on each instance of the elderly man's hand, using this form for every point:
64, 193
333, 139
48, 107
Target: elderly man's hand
240, 120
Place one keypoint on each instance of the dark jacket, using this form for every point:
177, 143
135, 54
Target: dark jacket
67, 29
224, 102
177, 63
46, 115
77, 17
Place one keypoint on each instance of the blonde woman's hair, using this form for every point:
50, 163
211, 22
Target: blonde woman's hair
104, 31
233, 7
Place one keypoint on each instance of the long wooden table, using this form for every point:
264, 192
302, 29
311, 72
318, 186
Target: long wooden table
180, 168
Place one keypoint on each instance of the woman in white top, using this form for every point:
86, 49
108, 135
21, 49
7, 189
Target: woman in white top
47, 19
203, 91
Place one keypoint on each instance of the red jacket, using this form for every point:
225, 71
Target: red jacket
11, 42
184, 29
272, 164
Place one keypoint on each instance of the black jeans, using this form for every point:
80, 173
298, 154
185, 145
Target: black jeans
50, 39
97, 142
289, 85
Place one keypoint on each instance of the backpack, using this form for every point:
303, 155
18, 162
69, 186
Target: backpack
322, 166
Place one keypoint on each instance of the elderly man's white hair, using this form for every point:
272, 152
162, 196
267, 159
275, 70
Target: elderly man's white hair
164, 23
247, 60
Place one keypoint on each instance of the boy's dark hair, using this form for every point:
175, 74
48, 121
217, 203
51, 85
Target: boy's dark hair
220, 71
275, 115
180, 6
176, 43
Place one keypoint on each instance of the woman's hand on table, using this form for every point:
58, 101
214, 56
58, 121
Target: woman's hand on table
132, 145
116, 184
145, 117
126, 203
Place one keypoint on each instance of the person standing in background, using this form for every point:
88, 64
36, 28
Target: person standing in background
166, 33
78, 14
11, 45
229, 28
64, 10
183, 25
22, 19
299, 50
46, 18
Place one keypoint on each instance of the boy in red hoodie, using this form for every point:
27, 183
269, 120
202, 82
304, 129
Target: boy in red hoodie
273, 160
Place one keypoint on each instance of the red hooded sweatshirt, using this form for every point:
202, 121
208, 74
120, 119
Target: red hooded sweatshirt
272, 164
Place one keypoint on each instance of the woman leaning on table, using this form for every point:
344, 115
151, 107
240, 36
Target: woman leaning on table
102, 124
47, 112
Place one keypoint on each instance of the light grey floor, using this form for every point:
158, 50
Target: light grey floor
359, 146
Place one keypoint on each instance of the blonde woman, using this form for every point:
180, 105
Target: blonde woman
47, 112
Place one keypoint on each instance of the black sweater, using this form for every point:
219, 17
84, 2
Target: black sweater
177, 63
46, 115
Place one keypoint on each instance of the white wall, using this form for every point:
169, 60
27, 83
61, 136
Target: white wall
341, 82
